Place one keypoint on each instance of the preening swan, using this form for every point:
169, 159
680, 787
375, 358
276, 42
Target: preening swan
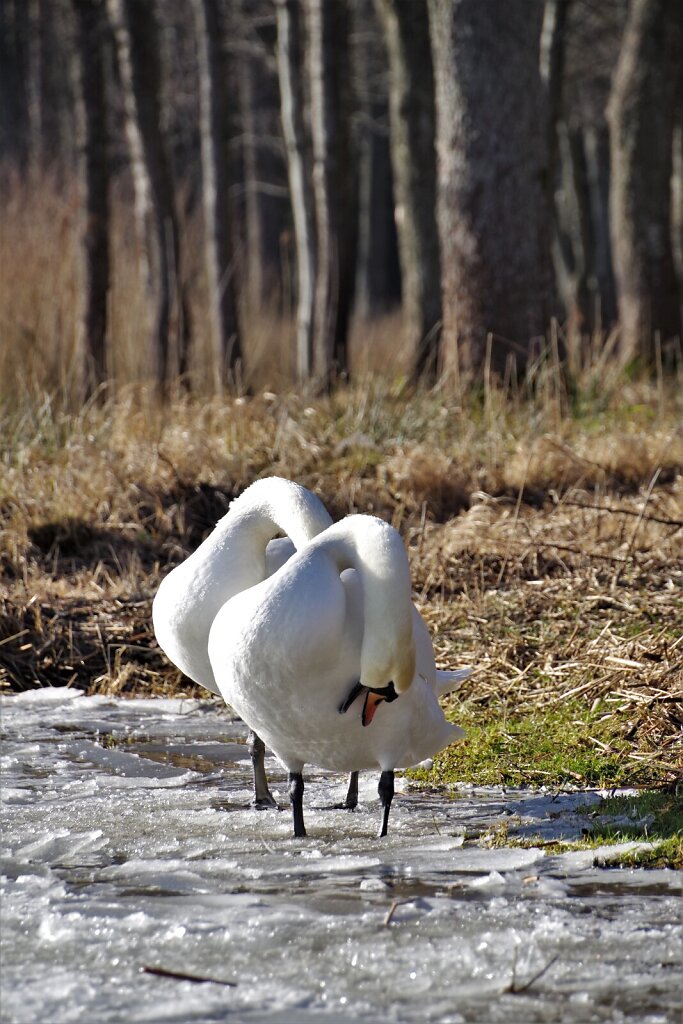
336, 623
239, 553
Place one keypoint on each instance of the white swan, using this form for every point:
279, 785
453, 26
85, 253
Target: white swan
239, 553
294, 651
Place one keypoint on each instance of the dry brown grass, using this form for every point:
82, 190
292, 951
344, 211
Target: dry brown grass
581, 600
543, 516
547, 552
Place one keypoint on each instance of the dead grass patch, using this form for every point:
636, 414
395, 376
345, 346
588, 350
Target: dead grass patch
547, 554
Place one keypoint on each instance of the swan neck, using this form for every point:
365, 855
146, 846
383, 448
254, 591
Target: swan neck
274, 505
376, 552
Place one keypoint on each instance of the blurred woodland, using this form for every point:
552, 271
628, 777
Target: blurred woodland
193, 189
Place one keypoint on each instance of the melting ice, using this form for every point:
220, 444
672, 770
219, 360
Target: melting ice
128, 843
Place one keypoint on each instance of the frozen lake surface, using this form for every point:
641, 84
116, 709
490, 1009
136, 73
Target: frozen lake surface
128, 843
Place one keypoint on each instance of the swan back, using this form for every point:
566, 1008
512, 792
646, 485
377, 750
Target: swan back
235, 556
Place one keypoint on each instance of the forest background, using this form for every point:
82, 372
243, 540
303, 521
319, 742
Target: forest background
424, 256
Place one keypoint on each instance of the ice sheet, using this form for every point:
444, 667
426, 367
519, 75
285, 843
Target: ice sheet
128, 842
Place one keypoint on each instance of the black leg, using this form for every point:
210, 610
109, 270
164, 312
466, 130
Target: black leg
296, 795
386, 795
351, 801
257, 752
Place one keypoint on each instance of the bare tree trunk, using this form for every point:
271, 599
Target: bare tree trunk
14, 32
294, 129
34, 67
552, 61
598, 158
492, 211
94, 148
378, 276
215, 134
677, 201
266, 204
558, 175
58, 128
334, 184
411, 101
642, 115
378, 271
138, 48
254, 262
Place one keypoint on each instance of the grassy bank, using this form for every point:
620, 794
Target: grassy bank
545, 537
628, 830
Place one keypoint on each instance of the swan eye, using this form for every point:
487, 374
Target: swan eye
378, 693
388, 692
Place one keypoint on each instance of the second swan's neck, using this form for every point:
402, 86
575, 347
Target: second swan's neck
375, 550
271, 506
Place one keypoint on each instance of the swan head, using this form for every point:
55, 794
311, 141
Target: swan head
391, 668
402, 672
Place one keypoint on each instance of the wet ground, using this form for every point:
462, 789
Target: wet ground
131, 858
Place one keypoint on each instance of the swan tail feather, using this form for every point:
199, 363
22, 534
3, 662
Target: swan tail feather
447, 682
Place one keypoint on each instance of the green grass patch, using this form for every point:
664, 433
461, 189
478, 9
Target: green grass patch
654, 817
666, 854
553, 744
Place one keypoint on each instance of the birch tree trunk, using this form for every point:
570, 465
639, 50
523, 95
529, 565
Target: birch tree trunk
492, 211
214, 94
94, 149
411, 104
643, 110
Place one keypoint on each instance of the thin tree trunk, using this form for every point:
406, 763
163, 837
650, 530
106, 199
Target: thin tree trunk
34, 90
492, 211
14, 32
598, 158
552, 61
558, 176
411, 103
586, 296
290, 76
378, 276
254, 262
334, 184
58, 127
94, 148
677, 201
265, 201
215, 134
642, 114
378, 271
138, 48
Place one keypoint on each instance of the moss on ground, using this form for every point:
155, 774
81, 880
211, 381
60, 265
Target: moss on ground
553, 744
653, 817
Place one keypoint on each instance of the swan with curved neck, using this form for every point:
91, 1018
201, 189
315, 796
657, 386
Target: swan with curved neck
239, 553
334, 623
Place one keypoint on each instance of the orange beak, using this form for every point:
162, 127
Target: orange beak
372, 702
